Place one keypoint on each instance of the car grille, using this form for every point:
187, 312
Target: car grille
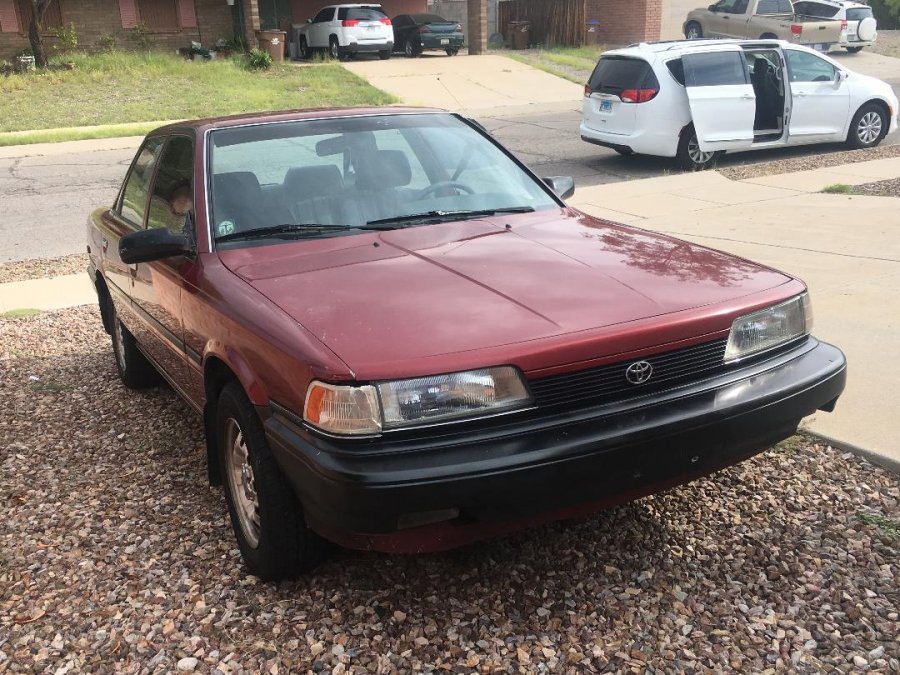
607, 384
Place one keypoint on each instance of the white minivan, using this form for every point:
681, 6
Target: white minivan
695, 99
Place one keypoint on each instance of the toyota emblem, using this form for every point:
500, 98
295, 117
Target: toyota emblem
639, 372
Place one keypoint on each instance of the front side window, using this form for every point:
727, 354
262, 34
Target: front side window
806, 67
325, 15
334, 176
712, 69
134, 198
171, 200
775, 7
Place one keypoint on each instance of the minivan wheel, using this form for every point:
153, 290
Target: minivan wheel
690, 157
868, 127
135, 371
693, 31
266, 515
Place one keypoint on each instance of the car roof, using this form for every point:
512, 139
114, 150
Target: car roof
846, 4
678, 47
244, 119
367, 4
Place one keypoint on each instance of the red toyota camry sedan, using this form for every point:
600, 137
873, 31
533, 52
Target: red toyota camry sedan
401, 339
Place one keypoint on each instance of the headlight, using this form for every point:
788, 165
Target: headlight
368, 409
769, 328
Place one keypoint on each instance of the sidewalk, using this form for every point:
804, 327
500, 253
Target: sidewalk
846, 248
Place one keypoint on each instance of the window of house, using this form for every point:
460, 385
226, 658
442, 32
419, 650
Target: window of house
52, 17
159, 16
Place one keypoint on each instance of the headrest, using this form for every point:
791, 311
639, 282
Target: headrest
236, 183
304, 182
382, 170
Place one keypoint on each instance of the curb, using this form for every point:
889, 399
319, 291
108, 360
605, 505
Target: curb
887, 463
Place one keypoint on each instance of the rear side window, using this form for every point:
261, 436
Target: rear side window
859, 13
714, 69
134, 197
775, 7
361, 13
614, 74
816, 9
676, 67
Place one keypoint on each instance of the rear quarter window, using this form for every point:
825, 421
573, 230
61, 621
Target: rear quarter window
676, 67
614, 74
859, 13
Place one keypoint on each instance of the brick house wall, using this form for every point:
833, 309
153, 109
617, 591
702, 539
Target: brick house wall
203, 21
626, 21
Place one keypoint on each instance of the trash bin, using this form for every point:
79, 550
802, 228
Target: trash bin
272, 41
592, 33
521, 34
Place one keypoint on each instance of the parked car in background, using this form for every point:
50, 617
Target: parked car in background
344, 31
862, 27
763, 19
414, 33
400, 339
696, 99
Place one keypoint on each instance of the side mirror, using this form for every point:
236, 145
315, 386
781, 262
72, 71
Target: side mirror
713, 8
562, 186
840, 76
153, 244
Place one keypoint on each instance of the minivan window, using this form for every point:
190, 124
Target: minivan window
775, 7
614, 74
806, 67
713, 69
676, 67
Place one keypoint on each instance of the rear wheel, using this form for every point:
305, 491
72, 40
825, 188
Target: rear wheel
690, 157
305, 51
768, 36
334, 48
453, 51
134, 369
854, 50
868, 127
693, 31
411, 49
266, 516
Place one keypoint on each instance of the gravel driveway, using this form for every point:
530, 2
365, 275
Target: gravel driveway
114, 555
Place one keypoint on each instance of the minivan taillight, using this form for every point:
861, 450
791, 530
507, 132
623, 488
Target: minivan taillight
797, 28
349, 23
638, 95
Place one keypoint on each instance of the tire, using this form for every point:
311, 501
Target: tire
334, 48
768, 36
452, 51
869, 126
411, 50
305, 51
693, 31
384, 54
265, 513
854, 50
689, 156
134, 369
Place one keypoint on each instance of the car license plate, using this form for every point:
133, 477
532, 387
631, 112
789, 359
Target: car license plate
606, 106
445, 41
820, 47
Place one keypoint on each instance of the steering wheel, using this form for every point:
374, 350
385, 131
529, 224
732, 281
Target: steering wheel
445, 184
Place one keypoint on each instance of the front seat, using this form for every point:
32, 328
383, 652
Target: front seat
378, 175
238, 199
312, 194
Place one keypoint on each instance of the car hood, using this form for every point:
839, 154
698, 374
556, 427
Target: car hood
406, 295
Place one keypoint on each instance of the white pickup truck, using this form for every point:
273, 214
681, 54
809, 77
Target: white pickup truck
763, 19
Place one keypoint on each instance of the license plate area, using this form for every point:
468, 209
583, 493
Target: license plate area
820, 47
445, 41
606, 106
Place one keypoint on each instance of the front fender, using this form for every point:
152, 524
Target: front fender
240, 366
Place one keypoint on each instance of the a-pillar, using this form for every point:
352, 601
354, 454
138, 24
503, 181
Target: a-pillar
477, 28
251, 21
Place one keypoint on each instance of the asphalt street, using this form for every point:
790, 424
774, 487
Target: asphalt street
45, 201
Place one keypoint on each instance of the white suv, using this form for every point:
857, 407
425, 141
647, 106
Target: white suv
862, 28
694, 99
345, 31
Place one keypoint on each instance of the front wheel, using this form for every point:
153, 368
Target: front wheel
334, 48
854, 50
265, 514
452, 51
690, 157
693, 31
868, 127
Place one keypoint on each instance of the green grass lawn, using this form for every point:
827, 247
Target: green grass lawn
120, 87
572, 63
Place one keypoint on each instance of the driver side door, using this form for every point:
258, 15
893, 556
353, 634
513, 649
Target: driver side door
820, 98
319, 30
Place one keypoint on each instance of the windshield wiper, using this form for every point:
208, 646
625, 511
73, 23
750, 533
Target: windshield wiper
290, 228
438, 216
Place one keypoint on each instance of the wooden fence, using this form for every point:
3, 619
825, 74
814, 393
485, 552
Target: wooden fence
553, 22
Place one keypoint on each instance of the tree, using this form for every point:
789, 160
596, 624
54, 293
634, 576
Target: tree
894, 6
36, 30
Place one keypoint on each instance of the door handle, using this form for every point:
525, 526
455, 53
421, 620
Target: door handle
748, 97
800, 94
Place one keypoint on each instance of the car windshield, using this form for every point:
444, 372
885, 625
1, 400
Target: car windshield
331, 177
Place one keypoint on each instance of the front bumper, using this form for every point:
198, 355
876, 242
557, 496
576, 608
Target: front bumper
510, 474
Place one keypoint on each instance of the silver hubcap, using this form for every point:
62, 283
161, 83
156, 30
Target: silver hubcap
334, 50
693, 33
119, 344
696, 154
869, 128
241, 482
409, 49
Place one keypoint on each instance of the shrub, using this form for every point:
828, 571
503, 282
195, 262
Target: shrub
108, 42
67, 36
140, 36
259, 59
